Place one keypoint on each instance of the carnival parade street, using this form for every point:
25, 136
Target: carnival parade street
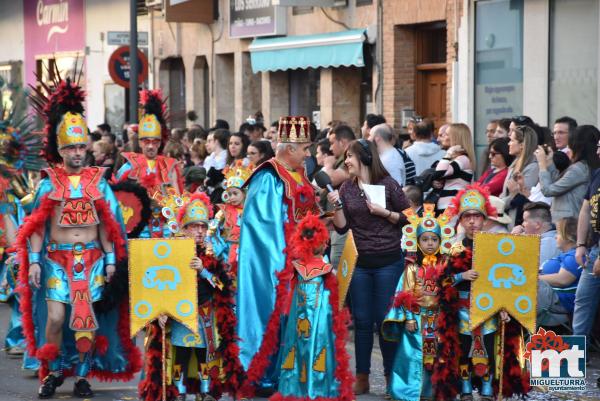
13, 380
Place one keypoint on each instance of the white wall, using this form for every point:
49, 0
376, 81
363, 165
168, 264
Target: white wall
102, 16
12, 31
536, 25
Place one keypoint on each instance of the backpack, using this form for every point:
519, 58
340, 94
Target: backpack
409, 167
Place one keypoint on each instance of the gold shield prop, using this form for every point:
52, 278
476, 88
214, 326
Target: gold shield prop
508, 273
345, 268
162, 282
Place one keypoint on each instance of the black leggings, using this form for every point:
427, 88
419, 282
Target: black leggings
183, 355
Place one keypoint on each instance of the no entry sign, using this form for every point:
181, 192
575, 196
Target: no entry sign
118, 66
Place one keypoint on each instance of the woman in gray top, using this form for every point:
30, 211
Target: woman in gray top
523, 172
569, 188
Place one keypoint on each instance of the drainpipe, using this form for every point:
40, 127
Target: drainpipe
133, 63
379, 58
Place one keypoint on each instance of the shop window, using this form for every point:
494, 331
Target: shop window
172, 76
304, 91
201, 91
573, 77
498, 63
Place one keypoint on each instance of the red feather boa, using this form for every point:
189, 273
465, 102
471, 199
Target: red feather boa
340, 319
407, 300
36, 223
225, 381
446, 376
270, 342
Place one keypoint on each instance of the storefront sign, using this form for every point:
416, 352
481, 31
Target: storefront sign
52, 26
198, 11
250, 18
317, 3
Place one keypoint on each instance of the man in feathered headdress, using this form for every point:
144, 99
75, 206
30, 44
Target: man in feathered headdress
469, 358
279, 196
71, 248
150, 169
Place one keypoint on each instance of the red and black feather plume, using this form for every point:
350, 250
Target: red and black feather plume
51, 102
152, 102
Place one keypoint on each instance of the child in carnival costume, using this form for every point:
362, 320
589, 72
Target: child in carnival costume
205, 364
224, 230
72, 259
470, 358
412, 319
315, 363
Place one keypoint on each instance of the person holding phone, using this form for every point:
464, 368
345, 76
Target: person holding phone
568, 188
523, 173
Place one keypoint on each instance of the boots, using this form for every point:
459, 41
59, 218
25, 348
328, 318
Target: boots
361, 386
388, 394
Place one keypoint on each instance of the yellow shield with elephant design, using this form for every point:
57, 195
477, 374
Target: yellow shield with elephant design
508, 277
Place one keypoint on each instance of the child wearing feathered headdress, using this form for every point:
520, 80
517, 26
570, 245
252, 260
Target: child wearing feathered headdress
412, 318
470, 357
314, 358
205, 363
224, 229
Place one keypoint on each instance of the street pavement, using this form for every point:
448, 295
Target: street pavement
19, 385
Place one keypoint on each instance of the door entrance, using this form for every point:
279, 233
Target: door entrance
431, 93
431, 77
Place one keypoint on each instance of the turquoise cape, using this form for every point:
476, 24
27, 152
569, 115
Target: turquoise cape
308, 344
261, 257
407, 371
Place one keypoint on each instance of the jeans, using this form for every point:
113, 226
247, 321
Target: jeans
586, 298
371, 292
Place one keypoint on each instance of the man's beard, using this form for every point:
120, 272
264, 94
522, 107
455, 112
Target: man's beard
151, 155
74, 163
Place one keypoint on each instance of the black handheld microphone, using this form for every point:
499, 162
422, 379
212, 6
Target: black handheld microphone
324, 182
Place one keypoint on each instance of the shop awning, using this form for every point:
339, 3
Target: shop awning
308, 51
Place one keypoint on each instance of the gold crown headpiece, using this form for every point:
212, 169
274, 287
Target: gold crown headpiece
236, 176
427, 223
149, 127
294, 129
72, 130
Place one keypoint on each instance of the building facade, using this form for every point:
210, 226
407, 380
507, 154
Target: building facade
527, 57
332, 63
36, 35
450, 60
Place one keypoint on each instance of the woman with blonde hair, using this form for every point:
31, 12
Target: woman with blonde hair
523, 173
458, 163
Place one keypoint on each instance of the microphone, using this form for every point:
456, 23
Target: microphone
323, 181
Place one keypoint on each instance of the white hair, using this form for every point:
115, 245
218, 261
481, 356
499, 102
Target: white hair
281, 146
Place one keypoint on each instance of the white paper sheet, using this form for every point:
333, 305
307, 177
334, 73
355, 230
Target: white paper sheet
375, 194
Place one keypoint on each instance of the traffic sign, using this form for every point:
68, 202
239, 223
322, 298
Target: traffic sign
118, 66
120, 38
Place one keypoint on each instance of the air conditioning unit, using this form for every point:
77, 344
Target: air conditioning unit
155, 4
